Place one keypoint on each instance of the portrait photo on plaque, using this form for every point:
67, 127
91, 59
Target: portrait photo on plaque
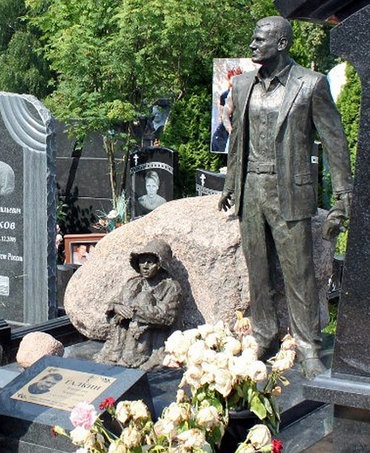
152, 172
224, 69
62, 388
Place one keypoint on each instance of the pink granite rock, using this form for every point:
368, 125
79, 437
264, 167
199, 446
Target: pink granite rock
207, 261
35, 345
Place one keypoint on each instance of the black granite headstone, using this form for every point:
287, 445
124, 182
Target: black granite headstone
209, 182
151, 183
27, 210
348, 384
28, 412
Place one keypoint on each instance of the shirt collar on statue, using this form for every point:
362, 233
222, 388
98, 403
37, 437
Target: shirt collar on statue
281, 77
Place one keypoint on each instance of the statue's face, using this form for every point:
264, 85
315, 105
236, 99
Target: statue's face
148, 265
264, 44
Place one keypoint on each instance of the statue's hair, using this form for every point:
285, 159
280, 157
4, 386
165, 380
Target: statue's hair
281, 27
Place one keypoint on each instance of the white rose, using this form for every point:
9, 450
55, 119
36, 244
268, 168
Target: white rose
177, 344
232, 345
176, 413
192, 376
209, 373
191, 334
249, 355
139, 410
283, 361
209, 356
192, 438
79, 435
223, 382
259, 436
171, 361
122, 411
282, 365
130, 437
249, 343
288, 342
257, 371
180, 396
212, 340
165, 428
223, 360
196, 352
242, 326
207, 417
240, 368
205, 330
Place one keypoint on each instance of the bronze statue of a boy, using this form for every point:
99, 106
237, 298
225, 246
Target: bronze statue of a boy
146, 309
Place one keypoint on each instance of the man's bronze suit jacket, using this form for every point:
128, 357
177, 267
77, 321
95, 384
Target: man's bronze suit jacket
307, 108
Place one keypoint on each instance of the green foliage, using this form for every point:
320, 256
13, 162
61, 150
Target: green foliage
311, 46
349, 102
111, 59
23, 69
349, 106
331, 327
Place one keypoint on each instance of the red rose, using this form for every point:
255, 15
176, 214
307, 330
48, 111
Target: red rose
108, 403
277, 446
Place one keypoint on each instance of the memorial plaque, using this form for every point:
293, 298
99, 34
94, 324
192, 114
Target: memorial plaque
63, 389
152, 172
27, 210
209, 182
44, 394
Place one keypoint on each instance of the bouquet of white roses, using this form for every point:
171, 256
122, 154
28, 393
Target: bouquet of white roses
222, 371
222, 367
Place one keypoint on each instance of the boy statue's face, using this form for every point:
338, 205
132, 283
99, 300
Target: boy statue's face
148, 265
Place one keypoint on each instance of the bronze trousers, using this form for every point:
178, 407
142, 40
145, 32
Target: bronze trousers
262, 229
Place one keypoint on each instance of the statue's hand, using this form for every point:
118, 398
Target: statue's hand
225, 201
334, 223
124, 311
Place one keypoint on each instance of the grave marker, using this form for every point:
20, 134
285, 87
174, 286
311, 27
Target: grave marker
27, 210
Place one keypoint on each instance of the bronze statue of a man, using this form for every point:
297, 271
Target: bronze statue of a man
276, 111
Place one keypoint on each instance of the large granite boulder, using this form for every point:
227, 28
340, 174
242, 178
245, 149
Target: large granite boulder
207, 261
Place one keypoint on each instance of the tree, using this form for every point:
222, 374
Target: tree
112, 59
23, 69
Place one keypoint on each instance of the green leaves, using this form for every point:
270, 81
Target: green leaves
255, 402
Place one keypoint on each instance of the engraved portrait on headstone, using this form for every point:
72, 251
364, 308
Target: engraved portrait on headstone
151, 199
151, 181
7, 179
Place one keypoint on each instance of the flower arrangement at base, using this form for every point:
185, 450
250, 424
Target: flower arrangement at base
115, 218
221, 373
180, 429
222, 367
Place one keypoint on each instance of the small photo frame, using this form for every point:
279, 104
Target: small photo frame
80, 247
